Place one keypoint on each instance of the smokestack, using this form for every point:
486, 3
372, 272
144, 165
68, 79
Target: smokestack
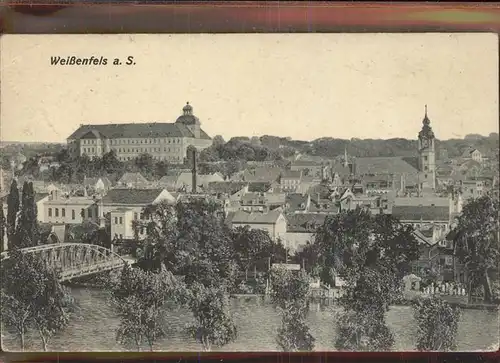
194, 170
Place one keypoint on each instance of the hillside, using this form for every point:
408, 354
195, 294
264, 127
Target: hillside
272, 147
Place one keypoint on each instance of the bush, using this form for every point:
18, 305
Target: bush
437, 324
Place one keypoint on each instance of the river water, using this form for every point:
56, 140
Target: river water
94, 324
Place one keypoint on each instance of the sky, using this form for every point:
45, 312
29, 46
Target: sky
303, 86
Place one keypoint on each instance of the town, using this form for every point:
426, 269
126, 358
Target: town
151, 195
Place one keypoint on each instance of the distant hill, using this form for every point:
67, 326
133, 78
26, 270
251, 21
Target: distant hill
331, 147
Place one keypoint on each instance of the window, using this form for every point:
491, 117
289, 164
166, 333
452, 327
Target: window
63, 212
135, 216
89, 213
116, 220
121, 236
73, 214
142, 216
121, 220
50, 212
57, 212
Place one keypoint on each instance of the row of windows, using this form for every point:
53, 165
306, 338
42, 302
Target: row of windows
174, 158
133, 141
155, 149
73, 213
89, 141
145, 141
88, 149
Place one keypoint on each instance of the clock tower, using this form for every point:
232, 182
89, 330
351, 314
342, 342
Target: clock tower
427, 154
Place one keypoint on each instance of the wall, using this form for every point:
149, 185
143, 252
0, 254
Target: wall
72, 211
121, 224
297, 240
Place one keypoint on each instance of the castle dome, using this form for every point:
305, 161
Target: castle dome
187, 117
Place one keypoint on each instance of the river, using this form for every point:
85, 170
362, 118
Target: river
93, 327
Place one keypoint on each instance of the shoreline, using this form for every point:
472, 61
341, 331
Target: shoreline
403, 302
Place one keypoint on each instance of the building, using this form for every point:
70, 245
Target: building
472, 153
132, 180
311, 168
62, 208
273, 222
301, 229
40, 199
163, 141
290, 180
99, 185
127, 205
427, 154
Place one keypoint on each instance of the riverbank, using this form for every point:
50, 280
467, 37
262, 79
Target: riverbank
94, 324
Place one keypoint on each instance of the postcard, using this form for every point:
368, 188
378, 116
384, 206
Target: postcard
250, 192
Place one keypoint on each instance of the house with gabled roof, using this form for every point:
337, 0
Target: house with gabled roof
124, 206
301, 229
274, 222
132, 180
227, 189
99, 184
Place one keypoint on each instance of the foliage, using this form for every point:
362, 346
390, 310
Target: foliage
27, 233
33, 296
141, 299
204, 250
213, 325
350, 241
437, 324
2, 230
13, 204
477, 242
161, 231
290, 294
252, 247
372, 254
360, 331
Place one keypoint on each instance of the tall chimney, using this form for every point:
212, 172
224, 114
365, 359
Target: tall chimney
195, 169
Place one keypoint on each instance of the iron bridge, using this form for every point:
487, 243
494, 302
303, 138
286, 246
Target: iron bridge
73, 260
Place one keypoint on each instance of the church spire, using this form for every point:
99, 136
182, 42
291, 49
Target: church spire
426, 120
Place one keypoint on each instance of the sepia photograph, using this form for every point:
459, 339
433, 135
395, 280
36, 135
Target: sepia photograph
250, 192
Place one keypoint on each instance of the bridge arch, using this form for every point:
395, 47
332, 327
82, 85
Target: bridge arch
74, 260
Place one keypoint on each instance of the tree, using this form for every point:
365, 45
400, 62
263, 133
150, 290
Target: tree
372, 254
218, 140
204, 250
12, 211
251, 246
27, 233
161, 233
213, 325
141, 299
437, 324
290, 295
2, 230
32, 296
476, 238
52, 307
145, 164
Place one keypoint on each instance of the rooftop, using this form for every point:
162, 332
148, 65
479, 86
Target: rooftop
135, 130
242, 217
131, 196
424, 213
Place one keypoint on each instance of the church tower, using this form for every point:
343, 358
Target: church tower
427, 154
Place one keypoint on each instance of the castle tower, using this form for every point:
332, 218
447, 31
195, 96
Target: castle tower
190, 120
427, 154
